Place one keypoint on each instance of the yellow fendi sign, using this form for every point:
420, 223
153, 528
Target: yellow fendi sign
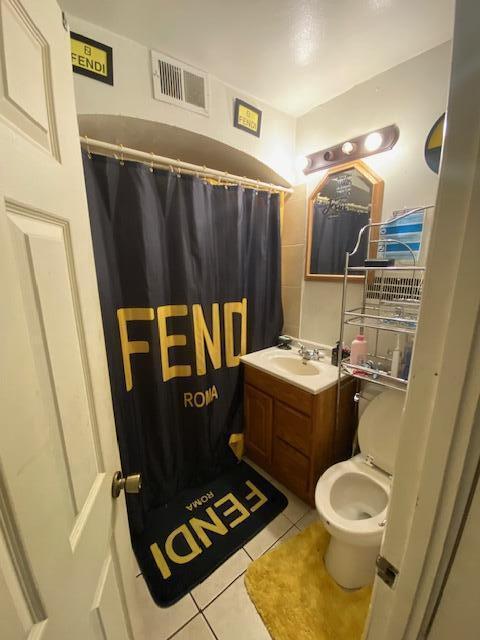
247, 117
205, 340
195, 534
91, 58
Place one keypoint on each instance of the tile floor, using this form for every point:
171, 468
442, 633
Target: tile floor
219, 608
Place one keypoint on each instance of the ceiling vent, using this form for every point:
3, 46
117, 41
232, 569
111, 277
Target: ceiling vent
178, 83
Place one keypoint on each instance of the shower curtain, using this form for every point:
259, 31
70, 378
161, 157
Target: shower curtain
189, 278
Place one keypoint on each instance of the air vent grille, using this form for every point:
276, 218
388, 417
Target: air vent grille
194, 89
170, 80
178, 83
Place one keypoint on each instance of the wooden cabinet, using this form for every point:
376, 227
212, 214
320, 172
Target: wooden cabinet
291, 433
258, 424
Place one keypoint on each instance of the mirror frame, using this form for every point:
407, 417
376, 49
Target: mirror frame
375, 215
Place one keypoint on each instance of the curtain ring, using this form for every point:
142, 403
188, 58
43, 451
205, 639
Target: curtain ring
89, 153
151, 162
121, 155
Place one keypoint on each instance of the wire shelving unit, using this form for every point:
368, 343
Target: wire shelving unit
391, 300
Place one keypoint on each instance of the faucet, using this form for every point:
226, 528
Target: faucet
310, 354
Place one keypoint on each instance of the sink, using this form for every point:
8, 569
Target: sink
296, 365
313, 376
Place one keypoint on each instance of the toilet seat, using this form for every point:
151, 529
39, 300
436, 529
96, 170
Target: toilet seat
356, 472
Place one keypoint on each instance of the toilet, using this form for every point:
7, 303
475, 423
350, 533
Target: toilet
352, 496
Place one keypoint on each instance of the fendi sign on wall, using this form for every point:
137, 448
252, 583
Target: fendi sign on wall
247, 118
91, 58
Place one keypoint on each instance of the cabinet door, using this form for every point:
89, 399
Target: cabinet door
258, 425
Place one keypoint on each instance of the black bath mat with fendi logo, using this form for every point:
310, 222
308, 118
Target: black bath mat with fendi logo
186, 540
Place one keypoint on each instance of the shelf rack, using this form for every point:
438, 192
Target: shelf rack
394, 317
390, 303
376, 376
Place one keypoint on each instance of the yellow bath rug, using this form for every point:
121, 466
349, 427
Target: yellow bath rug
296, 597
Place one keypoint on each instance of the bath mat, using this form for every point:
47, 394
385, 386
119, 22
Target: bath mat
186, 540
296, 597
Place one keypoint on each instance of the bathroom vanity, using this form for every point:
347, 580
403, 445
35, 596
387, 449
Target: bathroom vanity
289, 410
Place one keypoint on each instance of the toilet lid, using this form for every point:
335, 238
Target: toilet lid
379, 428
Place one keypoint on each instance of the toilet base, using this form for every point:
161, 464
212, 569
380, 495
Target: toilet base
351, 566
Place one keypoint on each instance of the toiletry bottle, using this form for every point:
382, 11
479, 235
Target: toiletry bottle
359, 351
407, 356
394, 371
335, 351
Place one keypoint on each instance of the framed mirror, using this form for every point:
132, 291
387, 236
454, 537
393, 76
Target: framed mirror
344, 201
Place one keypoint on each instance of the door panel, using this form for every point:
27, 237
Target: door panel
26, 76
59, 531
47, 279
107, 618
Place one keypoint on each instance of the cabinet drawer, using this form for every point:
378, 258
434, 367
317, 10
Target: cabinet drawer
288, 393
292, 427
291, 466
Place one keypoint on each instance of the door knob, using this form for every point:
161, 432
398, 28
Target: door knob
131, 484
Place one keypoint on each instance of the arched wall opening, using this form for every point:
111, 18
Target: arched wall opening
177, 143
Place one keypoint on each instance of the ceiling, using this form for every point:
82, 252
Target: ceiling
292, 54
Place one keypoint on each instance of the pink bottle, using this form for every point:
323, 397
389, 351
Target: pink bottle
359, 352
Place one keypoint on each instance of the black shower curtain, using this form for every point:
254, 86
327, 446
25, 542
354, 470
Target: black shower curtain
189, 277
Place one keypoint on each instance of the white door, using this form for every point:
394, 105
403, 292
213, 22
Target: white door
60, 566
458, 614
439, 444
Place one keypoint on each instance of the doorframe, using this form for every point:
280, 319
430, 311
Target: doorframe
439, 447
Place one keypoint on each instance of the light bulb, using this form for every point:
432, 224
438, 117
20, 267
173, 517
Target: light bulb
373, 141
348, 148
302, 163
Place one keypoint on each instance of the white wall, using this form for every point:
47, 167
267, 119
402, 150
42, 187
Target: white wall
412, 95
131, 96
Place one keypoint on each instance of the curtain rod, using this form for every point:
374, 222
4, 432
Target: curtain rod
126, 153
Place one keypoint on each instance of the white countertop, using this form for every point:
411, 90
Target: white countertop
313, 376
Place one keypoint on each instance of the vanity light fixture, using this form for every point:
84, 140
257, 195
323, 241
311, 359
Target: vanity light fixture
353, 149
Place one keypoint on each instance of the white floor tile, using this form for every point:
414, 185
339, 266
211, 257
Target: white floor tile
286, 536
209, 589
308, 519
232, 615
159, 623
197, 629
296, 508
267, 537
